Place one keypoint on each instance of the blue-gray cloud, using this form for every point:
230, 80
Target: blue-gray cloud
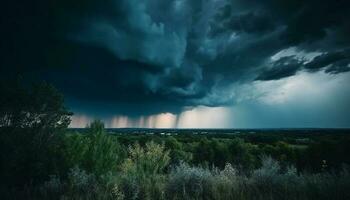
151, 56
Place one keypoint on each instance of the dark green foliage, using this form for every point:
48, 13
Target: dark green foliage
39, 107
102, 154
177, 153
96, 151
327, 154
142, 173
146, 161
31, 119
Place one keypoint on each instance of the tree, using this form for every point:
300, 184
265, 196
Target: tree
102, 153
29, 118
39, 107
95, 152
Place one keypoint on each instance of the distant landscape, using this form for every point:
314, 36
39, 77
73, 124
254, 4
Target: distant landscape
42, 159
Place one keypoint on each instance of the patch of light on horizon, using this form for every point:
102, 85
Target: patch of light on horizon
205, 117
199, 117
80, 121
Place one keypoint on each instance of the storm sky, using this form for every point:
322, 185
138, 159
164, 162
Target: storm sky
186, 63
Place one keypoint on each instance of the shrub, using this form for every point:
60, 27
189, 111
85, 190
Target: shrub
78, 185
102, 154
187, 182
225, 184
142, 173
147, 161
97, 152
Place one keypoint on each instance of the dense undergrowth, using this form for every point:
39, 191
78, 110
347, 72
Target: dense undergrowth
95, 165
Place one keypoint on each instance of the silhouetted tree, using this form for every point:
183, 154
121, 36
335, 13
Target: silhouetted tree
29, 118
40, 106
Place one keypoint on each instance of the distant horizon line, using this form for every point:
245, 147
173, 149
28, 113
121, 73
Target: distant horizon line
311, 128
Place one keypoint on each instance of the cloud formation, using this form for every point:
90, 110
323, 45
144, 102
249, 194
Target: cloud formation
151, 56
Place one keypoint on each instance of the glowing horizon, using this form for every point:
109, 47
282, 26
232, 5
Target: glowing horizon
199, 117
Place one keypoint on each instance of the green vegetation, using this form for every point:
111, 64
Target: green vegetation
41, 159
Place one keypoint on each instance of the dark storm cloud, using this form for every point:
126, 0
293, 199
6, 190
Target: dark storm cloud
333, 63
252, 21
313, 19
155, 56
338, 58
284, 67
339, 67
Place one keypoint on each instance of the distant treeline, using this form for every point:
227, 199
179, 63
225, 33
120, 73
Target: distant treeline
42, 159
308, 152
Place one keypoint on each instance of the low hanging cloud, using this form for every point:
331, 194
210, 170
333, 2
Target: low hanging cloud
152, 56
332, 63
284, 67
336, 62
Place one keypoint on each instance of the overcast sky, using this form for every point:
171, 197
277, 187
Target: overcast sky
186, 63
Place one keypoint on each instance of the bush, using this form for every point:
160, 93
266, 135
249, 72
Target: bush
97, 152
187, 182
78, 185
271, 182
147, 161
142, 173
